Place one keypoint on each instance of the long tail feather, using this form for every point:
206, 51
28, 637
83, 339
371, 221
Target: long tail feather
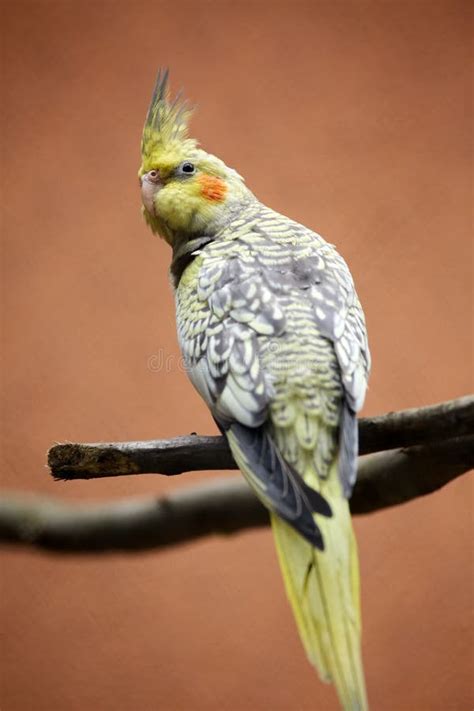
322, 584
323, 589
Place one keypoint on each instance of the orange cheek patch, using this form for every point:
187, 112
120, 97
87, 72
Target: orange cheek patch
212, 188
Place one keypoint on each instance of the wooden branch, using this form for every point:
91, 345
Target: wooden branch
440, 442
221, 506
453, 418
394, 477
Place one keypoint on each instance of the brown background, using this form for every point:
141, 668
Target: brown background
351, 117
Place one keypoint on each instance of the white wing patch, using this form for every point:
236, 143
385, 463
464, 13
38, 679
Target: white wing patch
222, 350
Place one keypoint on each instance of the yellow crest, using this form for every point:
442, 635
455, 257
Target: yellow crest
166, 125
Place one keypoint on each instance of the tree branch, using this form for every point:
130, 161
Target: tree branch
227, 505
221, 506
453, 418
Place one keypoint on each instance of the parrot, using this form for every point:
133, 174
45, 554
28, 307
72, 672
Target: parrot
274, 339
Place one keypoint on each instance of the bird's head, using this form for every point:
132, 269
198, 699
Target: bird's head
185, 191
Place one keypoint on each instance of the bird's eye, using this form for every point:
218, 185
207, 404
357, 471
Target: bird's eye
153, 174
187, 168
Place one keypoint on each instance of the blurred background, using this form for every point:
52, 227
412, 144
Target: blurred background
352, 117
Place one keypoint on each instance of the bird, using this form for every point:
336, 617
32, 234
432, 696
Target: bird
274, 339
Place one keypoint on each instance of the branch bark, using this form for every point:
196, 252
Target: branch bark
441, 448
453, 418
222, 506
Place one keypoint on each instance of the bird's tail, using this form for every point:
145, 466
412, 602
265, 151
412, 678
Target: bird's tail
323, 589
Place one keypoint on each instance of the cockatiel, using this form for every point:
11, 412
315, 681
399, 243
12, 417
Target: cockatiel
274, 339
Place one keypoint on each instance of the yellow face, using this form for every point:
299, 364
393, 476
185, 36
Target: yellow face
180, 193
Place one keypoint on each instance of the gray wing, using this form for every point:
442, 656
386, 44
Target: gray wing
340, 318
234, 305
308, 264
221, 316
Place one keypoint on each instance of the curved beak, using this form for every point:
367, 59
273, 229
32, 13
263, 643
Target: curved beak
148, 190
